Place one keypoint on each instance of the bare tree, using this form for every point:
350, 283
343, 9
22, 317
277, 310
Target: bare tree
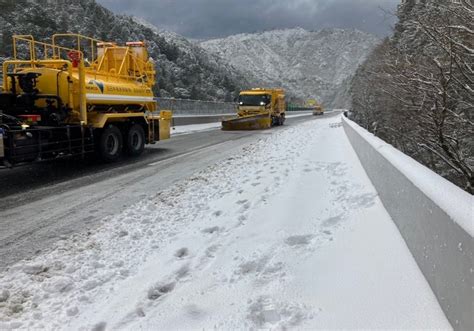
416, 90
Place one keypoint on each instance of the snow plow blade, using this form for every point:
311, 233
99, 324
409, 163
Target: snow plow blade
254, 122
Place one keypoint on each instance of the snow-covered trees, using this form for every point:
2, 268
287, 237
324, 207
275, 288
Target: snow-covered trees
175, 56
416, 90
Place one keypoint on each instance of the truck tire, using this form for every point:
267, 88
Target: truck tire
282, 119
276, 121
135, 143
111, 144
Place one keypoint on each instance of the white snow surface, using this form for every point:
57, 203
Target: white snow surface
288, 233
454, 201
302, 114
192, 128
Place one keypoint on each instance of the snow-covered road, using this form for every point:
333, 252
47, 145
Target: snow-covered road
289, 232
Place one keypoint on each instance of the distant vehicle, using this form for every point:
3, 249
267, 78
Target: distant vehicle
318, 109
258, 108
56, 103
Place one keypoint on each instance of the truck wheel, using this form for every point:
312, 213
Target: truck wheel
110, 144
135, 143
280, 120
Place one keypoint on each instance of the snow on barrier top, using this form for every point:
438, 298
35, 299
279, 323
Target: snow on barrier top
455, 202
433, 215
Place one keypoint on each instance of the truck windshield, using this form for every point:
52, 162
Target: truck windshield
254, 100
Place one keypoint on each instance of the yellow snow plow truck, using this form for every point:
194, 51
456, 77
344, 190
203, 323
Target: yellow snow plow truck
318, 110
77, 96
258, 109
316, 106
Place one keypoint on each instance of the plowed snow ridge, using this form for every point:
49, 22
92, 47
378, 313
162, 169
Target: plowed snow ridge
288, 233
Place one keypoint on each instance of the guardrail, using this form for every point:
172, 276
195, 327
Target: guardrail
434, 216
196, 107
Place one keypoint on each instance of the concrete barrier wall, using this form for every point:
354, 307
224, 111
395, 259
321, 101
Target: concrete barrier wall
434, 217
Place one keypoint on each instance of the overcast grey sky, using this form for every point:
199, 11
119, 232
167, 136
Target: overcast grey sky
205, 19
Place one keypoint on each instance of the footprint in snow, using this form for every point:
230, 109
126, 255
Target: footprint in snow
333, 221
140, 312
194, 312
266, 312
211, 251
99, 326
300, 240
245, 207
366, 200
242, 218
122, 233
182, 253
217, 213
252, 266
160, 289
183, 272
211, 230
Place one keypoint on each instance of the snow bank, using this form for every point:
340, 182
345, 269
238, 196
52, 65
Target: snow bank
298, 114
187, 129
434, 216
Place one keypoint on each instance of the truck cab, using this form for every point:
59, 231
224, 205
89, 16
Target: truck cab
261, 101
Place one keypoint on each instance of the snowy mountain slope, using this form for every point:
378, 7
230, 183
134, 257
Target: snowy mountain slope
184, 69
197, 55
308, 64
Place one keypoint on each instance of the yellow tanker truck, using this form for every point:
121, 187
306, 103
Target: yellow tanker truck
77, 96
258, 108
